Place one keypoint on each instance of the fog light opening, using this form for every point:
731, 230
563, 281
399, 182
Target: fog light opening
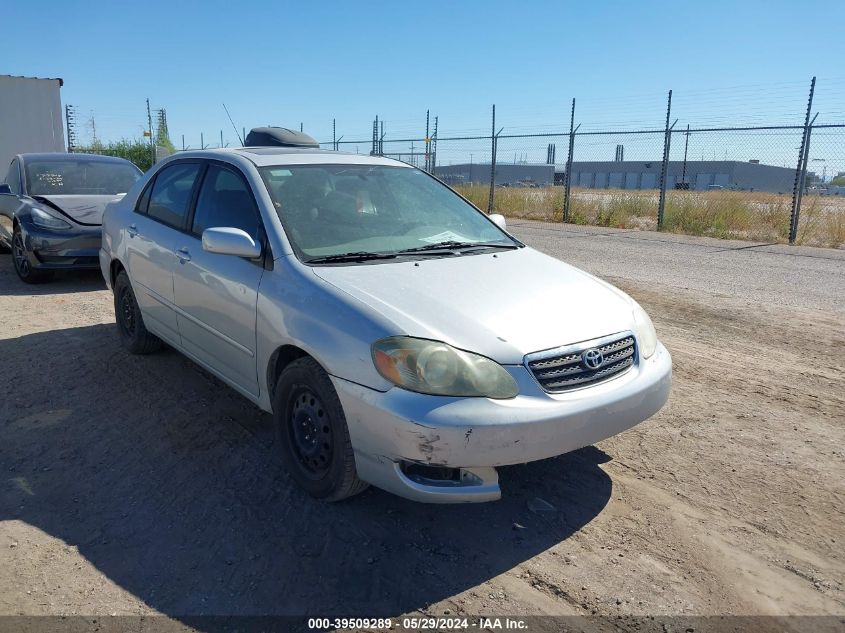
439, 475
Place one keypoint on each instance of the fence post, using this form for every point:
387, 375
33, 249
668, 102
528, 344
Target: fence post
667, 140
567, 185
803, 185
801, 169
492, 162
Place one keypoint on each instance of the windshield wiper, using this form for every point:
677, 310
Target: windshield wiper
452, 245
357, 256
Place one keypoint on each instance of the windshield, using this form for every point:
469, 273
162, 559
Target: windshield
330, 210
79, 177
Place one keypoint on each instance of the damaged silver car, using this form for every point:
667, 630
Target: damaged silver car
399, 336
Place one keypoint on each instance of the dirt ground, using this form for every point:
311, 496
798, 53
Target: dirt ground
142, 485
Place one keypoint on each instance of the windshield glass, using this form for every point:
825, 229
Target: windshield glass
78, 177
338, 209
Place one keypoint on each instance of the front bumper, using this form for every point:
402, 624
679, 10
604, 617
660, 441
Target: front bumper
54, 250
478, 434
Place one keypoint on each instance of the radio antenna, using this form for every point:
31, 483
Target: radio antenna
233, 125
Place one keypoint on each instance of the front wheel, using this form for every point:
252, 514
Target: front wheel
23, 267
130, 324
312, 432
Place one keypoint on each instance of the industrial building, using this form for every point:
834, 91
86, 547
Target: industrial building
30, 117
507, 174
696, 175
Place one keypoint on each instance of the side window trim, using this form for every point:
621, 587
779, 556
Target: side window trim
195, 196
234, 169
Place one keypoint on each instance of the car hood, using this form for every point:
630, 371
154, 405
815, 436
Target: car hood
86, 210
502, 306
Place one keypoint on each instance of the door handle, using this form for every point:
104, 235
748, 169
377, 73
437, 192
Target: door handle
184, 255
132, 230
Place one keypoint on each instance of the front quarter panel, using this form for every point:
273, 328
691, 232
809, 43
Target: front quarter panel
295, 307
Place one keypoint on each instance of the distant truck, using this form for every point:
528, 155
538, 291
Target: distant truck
30, 117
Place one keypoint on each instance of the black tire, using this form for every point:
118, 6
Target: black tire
23, 267
130, 324
312, 433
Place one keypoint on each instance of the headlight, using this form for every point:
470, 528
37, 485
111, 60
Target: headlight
45, 220
644, 329
440, 369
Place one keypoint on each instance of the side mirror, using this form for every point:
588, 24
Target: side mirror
5, 190
230, 241
499, 220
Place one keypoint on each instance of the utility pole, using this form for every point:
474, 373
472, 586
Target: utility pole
93, 128
427, 142
434, 148
374, 150
150, 131
70, 122
334, 135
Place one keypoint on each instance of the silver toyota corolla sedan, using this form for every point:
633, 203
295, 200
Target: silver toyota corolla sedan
399, 336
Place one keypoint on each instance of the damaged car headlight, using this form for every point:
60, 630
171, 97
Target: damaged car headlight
46, 221
439, 369
644, 329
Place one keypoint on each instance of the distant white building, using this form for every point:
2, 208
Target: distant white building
30, 117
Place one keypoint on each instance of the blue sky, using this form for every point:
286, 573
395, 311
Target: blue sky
289, 62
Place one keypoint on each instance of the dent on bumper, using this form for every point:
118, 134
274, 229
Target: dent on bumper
478, 434
49, 249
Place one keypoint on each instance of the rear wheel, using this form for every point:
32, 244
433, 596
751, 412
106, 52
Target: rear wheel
23, 267
130, 324
312, 432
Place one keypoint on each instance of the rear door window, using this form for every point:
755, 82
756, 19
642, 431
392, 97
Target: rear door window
171, 194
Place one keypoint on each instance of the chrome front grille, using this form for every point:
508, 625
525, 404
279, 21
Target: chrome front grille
580, 365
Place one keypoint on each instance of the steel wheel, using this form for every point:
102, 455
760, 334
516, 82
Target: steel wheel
310, 433
19, 254
126, 312
130, 322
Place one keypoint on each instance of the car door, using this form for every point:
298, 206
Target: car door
151, 236
216, 295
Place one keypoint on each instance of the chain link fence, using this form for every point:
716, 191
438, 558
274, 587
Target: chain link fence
769, 183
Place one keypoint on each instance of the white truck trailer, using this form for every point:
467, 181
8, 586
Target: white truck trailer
30, 117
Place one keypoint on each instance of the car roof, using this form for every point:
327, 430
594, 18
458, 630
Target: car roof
75, 156
270, 156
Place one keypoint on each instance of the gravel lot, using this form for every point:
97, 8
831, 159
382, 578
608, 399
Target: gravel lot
141, 485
